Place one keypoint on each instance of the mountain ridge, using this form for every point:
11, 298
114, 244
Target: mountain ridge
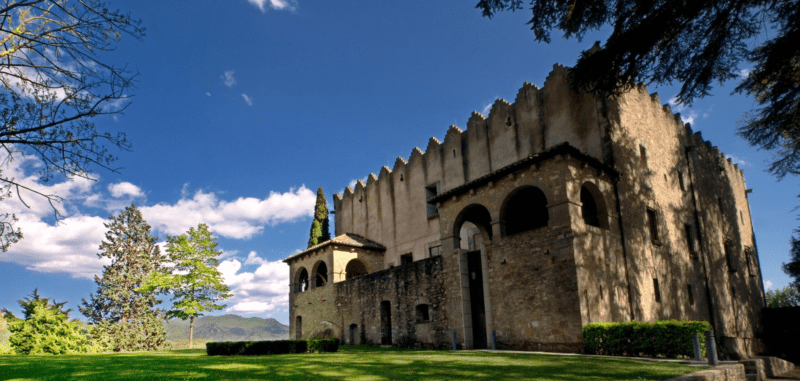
228, 328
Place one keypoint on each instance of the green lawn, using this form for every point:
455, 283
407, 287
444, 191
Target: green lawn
350, 363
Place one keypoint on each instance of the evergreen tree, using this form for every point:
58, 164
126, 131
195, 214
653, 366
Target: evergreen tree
46, 329
195, 282
793, 267
119, 309
319, 227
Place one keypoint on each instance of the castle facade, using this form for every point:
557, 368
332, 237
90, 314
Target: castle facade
556, 211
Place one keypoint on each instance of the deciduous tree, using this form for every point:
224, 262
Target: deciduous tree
54, 83
126, 313
788, 296
195, 283
319, 227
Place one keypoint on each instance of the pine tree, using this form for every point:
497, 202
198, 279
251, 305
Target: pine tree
195, 282
118, 309
319, 227
792, 268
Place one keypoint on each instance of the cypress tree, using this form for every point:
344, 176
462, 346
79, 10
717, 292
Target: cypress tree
319, 227
118, 309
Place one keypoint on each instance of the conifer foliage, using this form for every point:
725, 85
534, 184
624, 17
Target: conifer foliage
195, 283
319, 227
125, 318
45, 328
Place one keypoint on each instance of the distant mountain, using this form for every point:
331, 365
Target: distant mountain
228, 328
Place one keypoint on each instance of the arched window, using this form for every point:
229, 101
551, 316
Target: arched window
593, 206
322, 275
302, 281
525, 209
589, 208
355, 268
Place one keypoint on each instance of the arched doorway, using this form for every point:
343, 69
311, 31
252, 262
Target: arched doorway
302, 280
476, 221
355, 268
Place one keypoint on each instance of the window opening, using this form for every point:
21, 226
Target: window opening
656, 290
354, 269
729, 256
741, 216
733, 292
298, 328
353, 334
302, 284
423, 315
652, 223
751, 261
681, 180
322, 275
690, 294
643, 155
406, 259
601, 292
526, 210
435, 251
431, 192
690, 241
589, 208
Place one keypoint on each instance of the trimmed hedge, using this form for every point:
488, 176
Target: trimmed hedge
670, 338
230, 348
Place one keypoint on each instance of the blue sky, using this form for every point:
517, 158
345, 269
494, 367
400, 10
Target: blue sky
241, 111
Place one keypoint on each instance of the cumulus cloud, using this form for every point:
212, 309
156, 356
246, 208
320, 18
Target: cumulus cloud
254, 259
228, 79
265, 289
687, 115
247, 99
238, 219
278, 5
767, 285
124, 189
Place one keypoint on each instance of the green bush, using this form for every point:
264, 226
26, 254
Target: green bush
231, 348
323, 345
669, 338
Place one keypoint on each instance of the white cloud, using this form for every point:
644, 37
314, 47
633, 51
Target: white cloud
265, 289
687, 115
253, 259
125, 189
241, 218
744, 73
228, 78
767, 285
736, 160
279, 5
209, 94
488, 106
247, 100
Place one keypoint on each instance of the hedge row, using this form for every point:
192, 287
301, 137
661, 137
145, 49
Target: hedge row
229, 348
670, 338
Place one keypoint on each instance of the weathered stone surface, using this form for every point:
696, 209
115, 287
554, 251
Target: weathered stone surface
645, 221
720, 373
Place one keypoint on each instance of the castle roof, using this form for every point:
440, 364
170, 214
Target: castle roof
347, 239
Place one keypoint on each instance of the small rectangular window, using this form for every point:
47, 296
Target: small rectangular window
751, 261
729, 256
432, 191
406, 259
682, 181
643, 155
656, 290
652, 223
690, 242
423, 315
690, 294
741, 217
601, 292
435, 251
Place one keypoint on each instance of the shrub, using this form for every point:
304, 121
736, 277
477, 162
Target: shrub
231, 348
670, 338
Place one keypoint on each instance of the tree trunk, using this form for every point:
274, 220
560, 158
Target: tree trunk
191, 330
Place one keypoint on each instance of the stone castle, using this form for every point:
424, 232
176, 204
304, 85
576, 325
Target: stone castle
556, 211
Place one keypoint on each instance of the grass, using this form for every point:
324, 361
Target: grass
350, 363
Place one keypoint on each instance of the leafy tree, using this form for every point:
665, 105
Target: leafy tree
788, 296
694, 43
53, 83
119, 309
319, 227
46, 329
793, 267
195, 283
